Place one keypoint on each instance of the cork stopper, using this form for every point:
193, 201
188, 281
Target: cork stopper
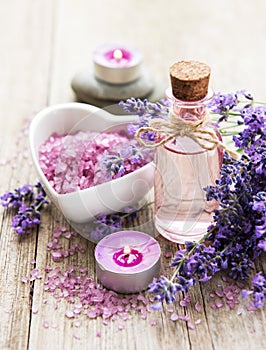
190, 80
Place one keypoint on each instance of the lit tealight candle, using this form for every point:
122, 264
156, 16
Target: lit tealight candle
117, 64
127, 261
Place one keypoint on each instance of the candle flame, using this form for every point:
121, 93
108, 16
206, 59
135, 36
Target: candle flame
127, 250
118, 54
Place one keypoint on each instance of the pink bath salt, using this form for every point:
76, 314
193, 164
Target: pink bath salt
174, 317
45, 324
219, 293
167, 255
219, 304
57, 256
34, 309
25, 279
153, 322
77, 161
197, 307
191, 325
69, 314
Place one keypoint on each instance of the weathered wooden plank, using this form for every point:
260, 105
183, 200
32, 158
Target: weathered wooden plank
25, 51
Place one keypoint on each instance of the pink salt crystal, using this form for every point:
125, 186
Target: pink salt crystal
57, 234
34, 309
32, 261
187, 298
174, 317
105, 322
49, 245
44, 301
240, 311
219, 304
77, 324
229, 296
76, 336
184, 318
121, 326
197, 307
45, 324
69, 314
251, 308
191, 325
212, 295
167, 255
56, 256
65, 254
24, 279
213, 306
219, 293
91, 314
183, 303
98, 334
251, 330
143, 299
153, 322
198, 321
170, 310
67, 235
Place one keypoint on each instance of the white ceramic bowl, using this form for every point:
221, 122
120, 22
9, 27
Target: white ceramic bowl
83, 205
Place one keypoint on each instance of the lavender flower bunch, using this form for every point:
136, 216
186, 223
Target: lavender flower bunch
27, 201
146, 111
238, 234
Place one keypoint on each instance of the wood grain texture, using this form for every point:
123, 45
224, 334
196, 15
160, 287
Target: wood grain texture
43, 44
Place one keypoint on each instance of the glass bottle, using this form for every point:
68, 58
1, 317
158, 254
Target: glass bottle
183, 168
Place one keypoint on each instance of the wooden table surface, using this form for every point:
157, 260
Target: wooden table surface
43, 44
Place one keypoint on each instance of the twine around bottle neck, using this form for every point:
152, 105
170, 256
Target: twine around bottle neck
175, 126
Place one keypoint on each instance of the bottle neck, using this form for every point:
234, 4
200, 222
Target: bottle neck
189, 110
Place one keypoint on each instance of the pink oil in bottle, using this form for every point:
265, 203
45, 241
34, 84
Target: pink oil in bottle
183, 169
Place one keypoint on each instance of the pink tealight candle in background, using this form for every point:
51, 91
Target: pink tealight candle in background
117, 64
127, 261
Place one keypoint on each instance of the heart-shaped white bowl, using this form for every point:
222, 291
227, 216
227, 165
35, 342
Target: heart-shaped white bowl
82, 206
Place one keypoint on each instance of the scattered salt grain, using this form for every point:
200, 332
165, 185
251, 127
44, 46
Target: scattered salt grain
77, 323
174, 317
45, 324
167, 254
69, 314
34, 309
197, 307
24, 279
191, 325
219, 304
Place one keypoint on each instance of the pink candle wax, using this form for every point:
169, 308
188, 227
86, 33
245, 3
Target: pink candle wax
127, 261
117, 64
